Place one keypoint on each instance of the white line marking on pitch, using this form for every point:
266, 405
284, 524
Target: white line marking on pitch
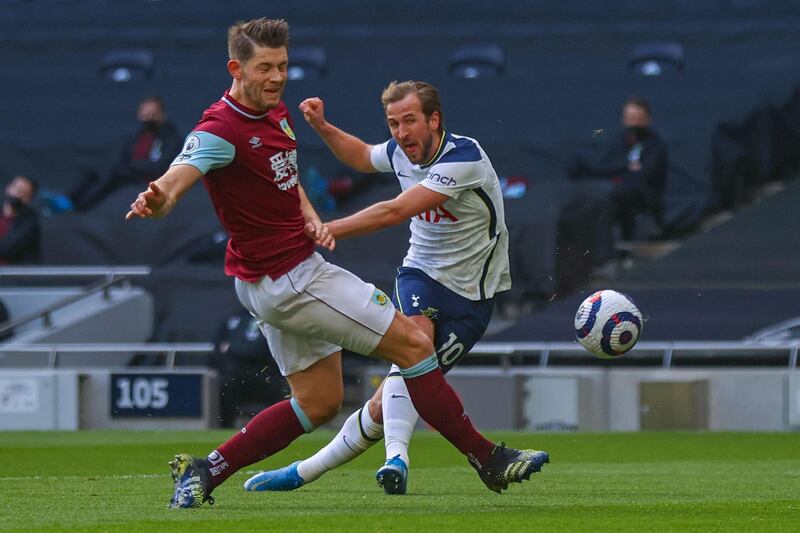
91, 477
87, 477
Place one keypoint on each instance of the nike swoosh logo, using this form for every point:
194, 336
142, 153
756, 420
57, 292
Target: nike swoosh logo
399, 396
403, 175
344, 438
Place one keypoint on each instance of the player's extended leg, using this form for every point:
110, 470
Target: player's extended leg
316, 397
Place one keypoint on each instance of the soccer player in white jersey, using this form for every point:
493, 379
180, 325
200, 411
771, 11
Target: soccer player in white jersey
456, 263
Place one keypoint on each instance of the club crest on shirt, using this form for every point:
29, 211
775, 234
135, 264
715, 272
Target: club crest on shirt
287, 129
379, 297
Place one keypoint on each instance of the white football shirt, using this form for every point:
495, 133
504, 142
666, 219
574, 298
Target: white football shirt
464, 243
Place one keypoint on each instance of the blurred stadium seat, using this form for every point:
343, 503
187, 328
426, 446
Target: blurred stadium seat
307, 62
127, 65
477, 61
657, 58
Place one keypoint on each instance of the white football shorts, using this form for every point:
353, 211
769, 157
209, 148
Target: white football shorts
314, 310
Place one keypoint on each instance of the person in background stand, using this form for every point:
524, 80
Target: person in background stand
636, 163
145, 156
19, 223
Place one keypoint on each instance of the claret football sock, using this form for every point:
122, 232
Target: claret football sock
267, 433
358, 433
439, 405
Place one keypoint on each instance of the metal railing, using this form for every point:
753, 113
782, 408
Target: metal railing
643, 350
110, 276
72, 271
504, 351
169, 350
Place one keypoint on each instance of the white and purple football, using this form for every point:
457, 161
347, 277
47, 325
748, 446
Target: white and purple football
608, 324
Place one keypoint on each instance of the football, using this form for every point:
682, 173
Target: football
608, 324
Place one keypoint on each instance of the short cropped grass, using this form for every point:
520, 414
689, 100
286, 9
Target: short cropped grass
118, 481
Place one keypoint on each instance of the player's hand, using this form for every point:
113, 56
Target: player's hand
313, 110
149, 203
320, 234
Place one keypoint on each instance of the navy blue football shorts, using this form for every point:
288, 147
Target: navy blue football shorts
459, 322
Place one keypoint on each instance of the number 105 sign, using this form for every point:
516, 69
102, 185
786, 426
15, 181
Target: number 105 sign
156, 395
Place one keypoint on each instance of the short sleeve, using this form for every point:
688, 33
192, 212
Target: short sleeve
381, 156
460, 169
205, 151
452, 178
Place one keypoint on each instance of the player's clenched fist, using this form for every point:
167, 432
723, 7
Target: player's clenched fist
313, 110
148, 203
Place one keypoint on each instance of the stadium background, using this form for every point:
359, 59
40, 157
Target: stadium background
725, 269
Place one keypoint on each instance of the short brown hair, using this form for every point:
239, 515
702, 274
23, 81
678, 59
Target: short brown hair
244, 36
427, 94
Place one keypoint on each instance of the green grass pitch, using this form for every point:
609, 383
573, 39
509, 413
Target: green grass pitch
118, 481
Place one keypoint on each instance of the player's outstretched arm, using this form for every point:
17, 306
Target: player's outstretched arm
418, 199
161, 195
349, 149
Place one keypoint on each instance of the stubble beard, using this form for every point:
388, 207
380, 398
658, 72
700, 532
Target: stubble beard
426, 150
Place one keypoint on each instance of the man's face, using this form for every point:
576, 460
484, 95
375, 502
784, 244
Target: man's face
263, 77
416, 135
150, 111
20, 188
634, 116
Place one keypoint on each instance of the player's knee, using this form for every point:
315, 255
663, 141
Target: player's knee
322, 408
421, 344
418, 347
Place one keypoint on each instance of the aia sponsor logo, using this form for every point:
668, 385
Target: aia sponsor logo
437, 215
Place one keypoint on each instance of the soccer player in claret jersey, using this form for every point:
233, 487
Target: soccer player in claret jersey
244, 149
457, 261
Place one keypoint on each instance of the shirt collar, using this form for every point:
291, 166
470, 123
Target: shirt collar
439, 151
241, 108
